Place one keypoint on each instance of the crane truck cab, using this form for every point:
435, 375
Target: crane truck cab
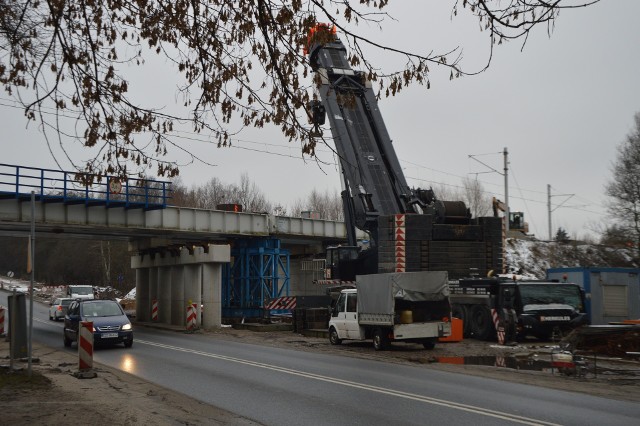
341, 263
517, 308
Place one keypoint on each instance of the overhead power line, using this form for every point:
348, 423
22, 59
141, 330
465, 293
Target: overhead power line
270, 148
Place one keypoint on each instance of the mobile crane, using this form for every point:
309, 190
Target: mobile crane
410, 229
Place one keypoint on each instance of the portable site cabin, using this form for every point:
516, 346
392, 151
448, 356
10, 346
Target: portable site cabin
612, 294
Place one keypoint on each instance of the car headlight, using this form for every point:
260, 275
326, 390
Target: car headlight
126, 327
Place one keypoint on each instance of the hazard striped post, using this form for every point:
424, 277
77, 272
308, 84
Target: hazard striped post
499, 327
400, 243
1, 320
85, 347
285, 302
333, 282
192, 316
154, 310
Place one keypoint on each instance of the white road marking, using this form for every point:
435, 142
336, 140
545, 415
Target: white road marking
47, 322
435, 401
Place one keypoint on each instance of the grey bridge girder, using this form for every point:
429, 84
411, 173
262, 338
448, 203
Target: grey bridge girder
189, 272
178, 224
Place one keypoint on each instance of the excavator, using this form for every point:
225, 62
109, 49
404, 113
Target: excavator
516, 219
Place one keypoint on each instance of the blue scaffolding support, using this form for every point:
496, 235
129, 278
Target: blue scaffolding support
258, 272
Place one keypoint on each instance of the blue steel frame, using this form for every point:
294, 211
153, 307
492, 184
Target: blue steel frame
258, 272
65, 187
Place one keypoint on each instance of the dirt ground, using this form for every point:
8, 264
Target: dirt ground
53, 395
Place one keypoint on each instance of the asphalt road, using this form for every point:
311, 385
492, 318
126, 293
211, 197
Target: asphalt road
278, 386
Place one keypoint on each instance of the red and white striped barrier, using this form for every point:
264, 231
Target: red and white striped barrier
85, 346
282, 303
499, 327
562, 360
334, 282
192, 310
154, 310
1, 320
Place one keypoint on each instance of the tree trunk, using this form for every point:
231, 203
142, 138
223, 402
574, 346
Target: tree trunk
106, 261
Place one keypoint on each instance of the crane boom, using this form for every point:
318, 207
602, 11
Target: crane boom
410, 229
372, 174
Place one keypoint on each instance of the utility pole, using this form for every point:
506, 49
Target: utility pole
549, 209
32, 252
505, 173
506, 187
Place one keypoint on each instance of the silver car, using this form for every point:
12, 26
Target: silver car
58, 308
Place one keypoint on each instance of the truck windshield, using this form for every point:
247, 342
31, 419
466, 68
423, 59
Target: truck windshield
542, 294
82, 290
340, 304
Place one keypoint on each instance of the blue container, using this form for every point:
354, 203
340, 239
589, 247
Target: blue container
612, 294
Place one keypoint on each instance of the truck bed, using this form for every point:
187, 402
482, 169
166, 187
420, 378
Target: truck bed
382, 298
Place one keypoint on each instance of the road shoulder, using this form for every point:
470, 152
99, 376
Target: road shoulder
113, 397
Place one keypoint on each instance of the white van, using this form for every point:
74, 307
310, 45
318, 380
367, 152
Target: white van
80, 291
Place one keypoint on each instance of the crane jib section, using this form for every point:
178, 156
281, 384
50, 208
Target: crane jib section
371, 170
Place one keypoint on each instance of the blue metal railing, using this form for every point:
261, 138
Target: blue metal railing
67, 187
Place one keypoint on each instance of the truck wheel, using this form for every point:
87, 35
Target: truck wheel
429, 343
380, 340
554, 335
558, 334
482, 327
333, 337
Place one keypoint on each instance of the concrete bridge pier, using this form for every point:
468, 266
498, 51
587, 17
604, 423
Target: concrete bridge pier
143, 292
164, 294
178, 314
194, 276
212, 295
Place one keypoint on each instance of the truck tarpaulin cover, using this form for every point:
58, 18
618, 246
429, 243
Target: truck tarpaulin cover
377, 291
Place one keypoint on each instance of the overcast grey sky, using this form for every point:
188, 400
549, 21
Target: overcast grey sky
561, 107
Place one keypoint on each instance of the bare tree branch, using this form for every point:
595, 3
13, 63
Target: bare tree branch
239, 64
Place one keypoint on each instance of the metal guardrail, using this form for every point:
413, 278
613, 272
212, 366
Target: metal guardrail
57, 186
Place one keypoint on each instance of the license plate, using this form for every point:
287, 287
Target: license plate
109, 335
